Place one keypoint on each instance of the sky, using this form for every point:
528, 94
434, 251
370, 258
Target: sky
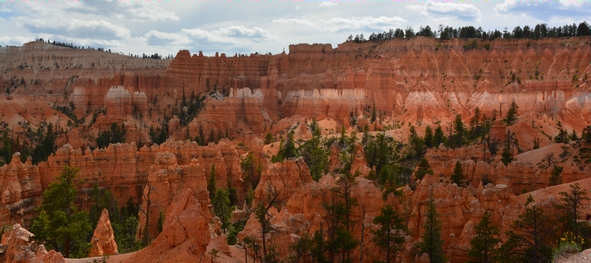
248, 26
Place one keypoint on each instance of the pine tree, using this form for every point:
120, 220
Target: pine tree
315, 155
432, 243
458, 176
417, 145
485, 241
287, 149
457, 138
571, 204
530, 241
61, 225
511, 114
263, 216
438, 138
222, 207
583, 30
373, 114
211, 188
562, 136
390, 233
587, 135
423, 168
428, 137
555, 177
160, 223
507, 155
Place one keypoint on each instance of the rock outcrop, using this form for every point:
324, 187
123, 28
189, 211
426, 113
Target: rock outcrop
17, 246
186, 232
103, 242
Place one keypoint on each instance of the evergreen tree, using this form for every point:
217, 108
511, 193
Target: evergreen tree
268, 138
555, 177
211, 188
432, 244
252, 168
160, 134
417, 145
507, 155
457, 138
485, 241
438, 138
222, 207
315, 155
479, 125
287, 149
428, 137
583, 29
587, 135
511, 114
530, 241
562, 136
264, 218
116, 134
379, 151
458, 176
341, 240
60, 224
160, 223
423, 168
571, 204
573, 136
390, 233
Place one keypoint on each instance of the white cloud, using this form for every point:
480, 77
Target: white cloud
133, 10
98, 29
340, 24
328, 4
14, 40
253, 33
467, 12
228, 34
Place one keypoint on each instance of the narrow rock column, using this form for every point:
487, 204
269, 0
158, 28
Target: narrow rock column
103, 240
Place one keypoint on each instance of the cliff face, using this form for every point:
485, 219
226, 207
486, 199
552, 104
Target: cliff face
414, 82
420, 80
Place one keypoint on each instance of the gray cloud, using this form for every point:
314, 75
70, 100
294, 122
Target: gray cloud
90, 29
346, 24
157, 38
136, 10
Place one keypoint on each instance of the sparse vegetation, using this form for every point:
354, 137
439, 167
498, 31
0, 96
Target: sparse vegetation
470, 32
116, 134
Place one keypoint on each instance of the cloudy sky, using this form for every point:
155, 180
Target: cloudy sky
245, 26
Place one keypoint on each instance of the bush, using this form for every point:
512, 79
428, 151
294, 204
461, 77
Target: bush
569, 244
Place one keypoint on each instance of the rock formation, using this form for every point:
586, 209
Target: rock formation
186, 232
103, 242
17, 246
249, 105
